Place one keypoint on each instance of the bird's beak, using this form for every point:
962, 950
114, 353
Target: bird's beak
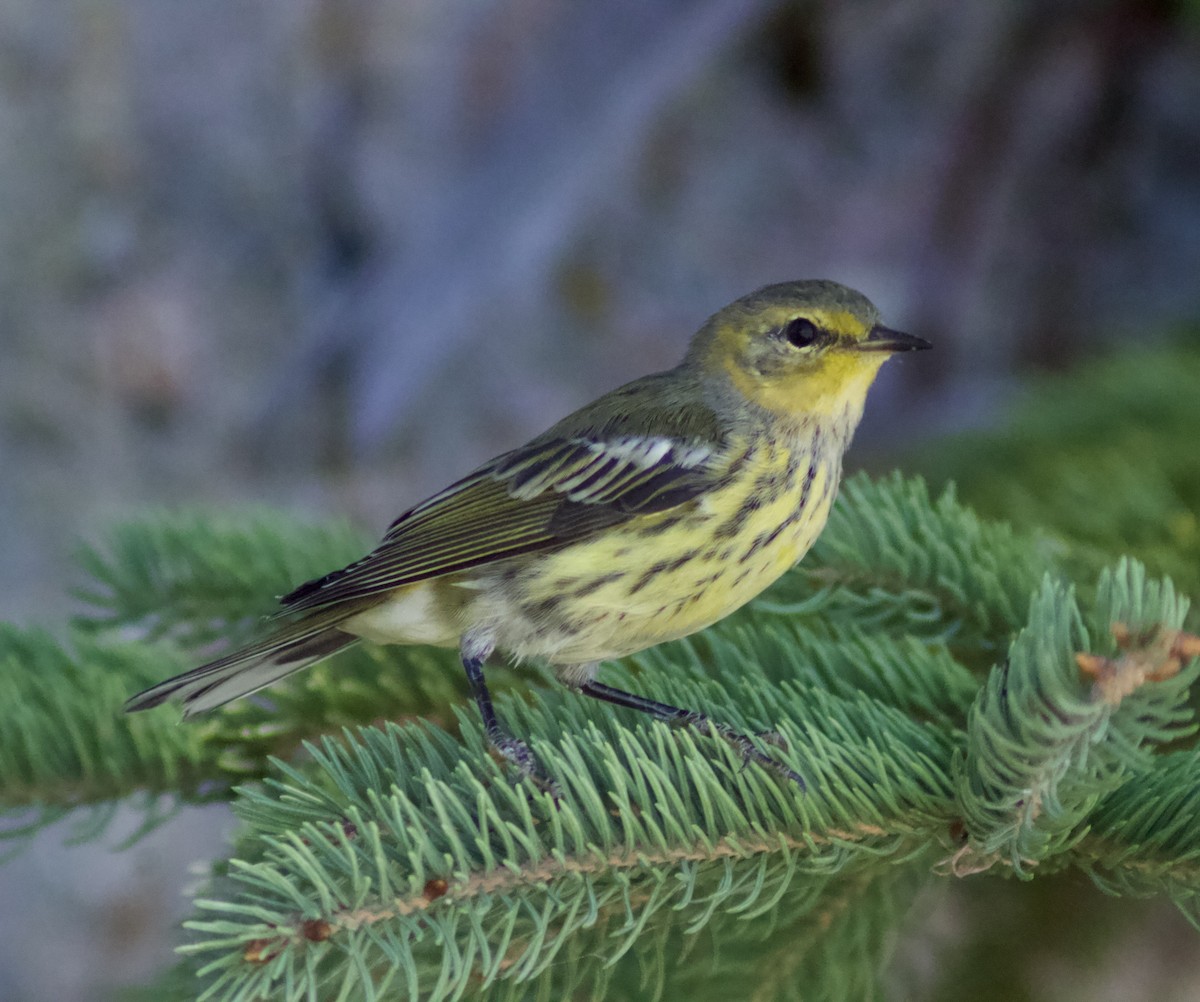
885, 339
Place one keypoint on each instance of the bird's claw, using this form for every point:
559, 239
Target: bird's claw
751, 753
773, 738
519, 755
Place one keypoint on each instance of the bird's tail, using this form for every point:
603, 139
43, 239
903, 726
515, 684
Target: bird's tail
250, 668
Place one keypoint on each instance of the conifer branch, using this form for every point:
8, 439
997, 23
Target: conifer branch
197, 577
66, 742
1144, 839
402, 858
456, 847
63, 748
1044, 745
891, 558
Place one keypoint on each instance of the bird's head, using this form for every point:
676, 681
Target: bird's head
798, 348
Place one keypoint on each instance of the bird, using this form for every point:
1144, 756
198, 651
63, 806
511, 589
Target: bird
643, 517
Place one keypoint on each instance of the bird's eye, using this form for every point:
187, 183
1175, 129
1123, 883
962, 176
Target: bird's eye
801, 332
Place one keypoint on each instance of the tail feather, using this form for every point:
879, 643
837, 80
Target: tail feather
246, 670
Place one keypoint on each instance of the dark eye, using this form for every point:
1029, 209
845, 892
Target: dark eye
801, 332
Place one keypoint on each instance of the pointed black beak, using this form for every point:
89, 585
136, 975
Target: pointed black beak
885, 339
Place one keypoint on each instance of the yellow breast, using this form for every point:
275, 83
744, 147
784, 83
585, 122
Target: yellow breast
663, 576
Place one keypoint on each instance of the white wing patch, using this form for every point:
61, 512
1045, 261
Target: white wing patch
646, 452
587, 468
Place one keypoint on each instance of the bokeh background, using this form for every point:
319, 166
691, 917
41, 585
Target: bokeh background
328, 255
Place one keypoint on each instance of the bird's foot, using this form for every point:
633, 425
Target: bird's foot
750, 752
773, 738
521, 758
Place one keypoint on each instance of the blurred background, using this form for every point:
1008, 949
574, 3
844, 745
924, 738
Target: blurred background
329, 255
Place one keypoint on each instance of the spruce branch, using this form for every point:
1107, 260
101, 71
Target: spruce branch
1154, 656
400, 859
651, 819
830, 653
828, 937
63, 745
1144, 839
892, 559
66, 742
1044, 746
196, 577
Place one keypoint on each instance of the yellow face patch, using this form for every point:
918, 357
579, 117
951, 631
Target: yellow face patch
843, 323
832, 384
797, 381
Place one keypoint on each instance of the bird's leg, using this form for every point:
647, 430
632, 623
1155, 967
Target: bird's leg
514, 750
680, 717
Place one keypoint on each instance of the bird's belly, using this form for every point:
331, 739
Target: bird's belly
655, 578
416, 614
642, 584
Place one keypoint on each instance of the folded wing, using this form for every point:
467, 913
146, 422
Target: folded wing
557, 490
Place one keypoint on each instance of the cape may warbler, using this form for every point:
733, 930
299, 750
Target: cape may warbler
643, 517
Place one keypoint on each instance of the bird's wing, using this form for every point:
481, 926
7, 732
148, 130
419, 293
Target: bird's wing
600, 467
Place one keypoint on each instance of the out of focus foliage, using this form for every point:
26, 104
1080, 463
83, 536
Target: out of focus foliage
243, 242
1105, 457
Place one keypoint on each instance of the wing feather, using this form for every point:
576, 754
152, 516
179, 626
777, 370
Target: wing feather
558, 489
